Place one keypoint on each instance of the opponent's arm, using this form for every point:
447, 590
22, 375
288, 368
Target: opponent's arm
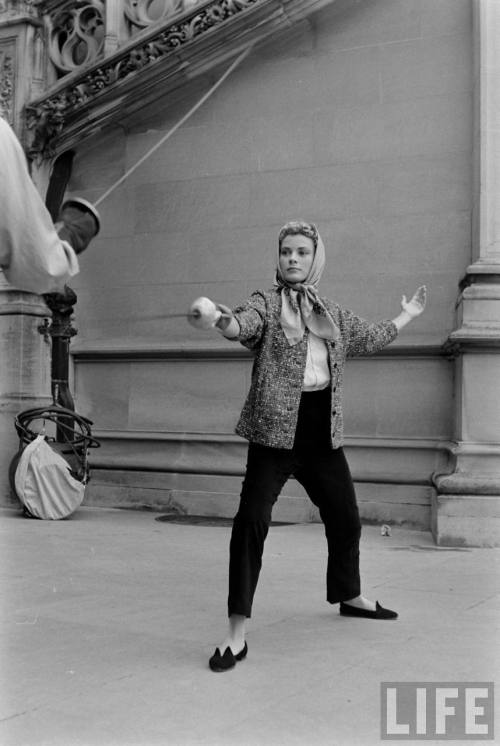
35, 255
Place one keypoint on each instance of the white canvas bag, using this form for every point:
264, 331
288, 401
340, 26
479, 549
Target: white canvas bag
44, 483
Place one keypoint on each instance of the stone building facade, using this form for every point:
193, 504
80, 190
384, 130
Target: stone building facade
376, 119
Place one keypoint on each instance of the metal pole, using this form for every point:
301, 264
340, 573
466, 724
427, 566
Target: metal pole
60, 329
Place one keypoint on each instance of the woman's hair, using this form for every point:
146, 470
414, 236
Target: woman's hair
296, 227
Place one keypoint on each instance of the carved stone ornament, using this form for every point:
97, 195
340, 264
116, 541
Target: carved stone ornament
46, 121
47, 117
7, 83
76, 36
143, 13
18, 7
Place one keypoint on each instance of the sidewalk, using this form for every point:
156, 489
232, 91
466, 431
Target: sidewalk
109, 618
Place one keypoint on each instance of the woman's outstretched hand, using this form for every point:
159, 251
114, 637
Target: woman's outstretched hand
411, 308
203, 314
416, 305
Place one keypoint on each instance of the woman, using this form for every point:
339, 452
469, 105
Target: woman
292, 419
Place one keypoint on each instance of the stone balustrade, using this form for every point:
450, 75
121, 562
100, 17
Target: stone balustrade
82, 32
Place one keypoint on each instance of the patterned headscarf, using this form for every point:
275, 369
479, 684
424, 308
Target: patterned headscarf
301, 305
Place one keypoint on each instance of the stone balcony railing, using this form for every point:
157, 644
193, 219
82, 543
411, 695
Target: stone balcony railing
108, 58
83, 32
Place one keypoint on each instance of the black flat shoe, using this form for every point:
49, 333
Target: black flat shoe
379, 613
219, 663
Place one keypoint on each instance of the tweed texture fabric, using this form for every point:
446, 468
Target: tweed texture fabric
270, 412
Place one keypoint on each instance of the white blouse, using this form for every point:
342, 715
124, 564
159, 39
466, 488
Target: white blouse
317, 372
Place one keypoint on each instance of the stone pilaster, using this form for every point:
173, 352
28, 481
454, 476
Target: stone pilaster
22, 58
467, 505
25, 376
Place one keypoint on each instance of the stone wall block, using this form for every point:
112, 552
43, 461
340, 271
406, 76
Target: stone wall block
401, 129
425, 67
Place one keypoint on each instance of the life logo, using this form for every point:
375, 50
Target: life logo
421, 710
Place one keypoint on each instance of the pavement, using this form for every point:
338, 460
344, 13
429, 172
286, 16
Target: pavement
109, 618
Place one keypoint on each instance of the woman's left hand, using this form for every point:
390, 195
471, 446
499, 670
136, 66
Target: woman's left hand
416, 305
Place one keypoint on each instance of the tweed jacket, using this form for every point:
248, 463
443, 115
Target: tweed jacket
269, 415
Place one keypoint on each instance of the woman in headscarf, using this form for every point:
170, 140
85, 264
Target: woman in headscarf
292, 419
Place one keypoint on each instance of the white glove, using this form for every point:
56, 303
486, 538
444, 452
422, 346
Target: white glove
203, 314
226, 316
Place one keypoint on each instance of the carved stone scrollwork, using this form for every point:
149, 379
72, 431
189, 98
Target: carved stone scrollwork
6, 84
17, 6
76, 34
47, 121
143, 13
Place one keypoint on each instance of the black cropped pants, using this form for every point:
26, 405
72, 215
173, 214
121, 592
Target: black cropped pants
324, 474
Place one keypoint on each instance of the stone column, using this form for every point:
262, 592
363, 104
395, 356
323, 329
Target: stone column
24, 354
114, 26
466, 509
25, 369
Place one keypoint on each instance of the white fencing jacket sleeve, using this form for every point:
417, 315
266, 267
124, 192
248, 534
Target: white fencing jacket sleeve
32, 255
